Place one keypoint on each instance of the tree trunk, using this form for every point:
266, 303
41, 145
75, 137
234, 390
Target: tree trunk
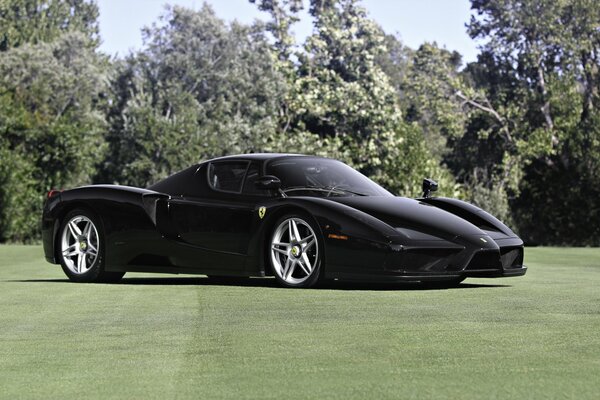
545, 109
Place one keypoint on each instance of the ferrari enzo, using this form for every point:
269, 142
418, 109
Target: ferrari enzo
302, 219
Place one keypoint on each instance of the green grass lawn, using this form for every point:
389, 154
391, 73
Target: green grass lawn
164, 336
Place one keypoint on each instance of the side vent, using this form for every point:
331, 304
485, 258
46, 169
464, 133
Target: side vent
149, 201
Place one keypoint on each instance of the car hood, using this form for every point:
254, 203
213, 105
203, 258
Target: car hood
402, 212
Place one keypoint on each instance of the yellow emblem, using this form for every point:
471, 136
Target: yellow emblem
262, 211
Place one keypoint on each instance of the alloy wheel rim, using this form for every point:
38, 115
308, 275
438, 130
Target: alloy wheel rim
80, 244
294, 251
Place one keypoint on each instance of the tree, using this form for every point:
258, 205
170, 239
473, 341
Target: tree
50, 126
342, 103
39, 21
198, 89
431, 87
395, 61
284, 13
539, 67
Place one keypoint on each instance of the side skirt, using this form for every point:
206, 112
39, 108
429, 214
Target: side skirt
179, 270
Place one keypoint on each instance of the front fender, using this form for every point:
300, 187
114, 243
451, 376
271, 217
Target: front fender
475, 215
353, 240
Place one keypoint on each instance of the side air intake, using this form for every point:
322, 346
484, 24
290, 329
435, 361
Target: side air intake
485, 260
511, 257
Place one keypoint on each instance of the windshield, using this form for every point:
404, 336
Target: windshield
322, 175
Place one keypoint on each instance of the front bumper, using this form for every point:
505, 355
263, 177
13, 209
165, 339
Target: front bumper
437, 276
412, 276
502, 257
438, 261
504, 273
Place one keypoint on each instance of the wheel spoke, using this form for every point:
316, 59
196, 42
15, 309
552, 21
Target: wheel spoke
304, 268
291, 231
280, 244
70, 251
92, 247
92, 253
309, 245
79, 258
291, 269
306, 239
74, 229
286, 268
281, 251
71, 254
296, 233
87, 229
306, 263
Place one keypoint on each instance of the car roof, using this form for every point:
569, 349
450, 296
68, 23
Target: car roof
257, 156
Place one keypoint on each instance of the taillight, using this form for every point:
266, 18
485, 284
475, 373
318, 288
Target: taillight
53, 192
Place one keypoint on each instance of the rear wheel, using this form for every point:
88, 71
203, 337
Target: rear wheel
81, 244
296, 251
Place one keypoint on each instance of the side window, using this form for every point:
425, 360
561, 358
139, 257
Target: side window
227, 176
250, 182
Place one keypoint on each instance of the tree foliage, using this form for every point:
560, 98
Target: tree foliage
50, 124
517, 132
198, 90
38, 21
540, 68
431, 86
341, 98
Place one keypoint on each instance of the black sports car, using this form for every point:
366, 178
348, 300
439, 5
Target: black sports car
299, 218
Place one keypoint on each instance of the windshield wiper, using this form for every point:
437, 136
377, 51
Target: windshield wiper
345, 190
300, 188
328, 189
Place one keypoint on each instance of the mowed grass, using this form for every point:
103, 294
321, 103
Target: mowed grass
165, 336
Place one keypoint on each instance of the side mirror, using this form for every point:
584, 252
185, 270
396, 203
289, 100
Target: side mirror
429, 185
268, 182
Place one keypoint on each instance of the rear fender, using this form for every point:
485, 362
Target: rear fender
119, 208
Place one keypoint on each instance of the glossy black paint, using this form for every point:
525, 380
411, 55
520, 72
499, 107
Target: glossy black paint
183, 225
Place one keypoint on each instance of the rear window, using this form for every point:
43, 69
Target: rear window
227, 176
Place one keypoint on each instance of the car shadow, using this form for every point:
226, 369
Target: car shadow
272, 283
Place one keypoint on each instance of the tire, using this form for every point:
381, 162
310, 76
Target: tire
296, 262
80, 244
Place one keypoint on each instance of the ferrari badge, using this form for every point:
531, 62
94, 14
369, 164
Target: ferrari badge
262, 211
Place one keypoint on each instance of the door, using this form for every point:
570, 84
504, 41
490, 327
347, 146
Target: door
215, 225
220, 224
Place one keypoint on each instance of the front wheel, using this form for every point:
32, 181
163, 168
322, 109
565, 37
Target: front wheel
82, 249
296, 251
